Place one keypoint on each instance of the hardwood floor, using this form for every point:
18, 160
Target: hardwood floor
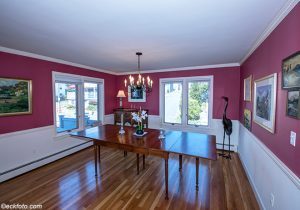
70, 183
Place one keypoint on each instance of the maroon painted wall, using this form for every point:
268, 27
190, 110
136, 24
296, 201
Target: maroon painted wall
282, 42
226, 83
40, 72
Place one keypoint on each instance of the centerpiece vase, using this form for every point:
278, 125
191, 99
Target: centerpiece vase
139, 130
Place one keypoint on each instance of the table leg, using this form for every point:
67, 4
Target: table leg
95, 158
180, 162
143, 161
99, 153
125, 153
167, 178
138, 163
197, 174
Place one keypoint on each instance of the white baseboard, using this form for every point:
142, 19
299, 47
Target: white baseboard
268, 174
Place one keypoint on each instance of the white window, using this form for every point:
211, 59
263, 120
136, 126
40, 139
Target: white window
78, 101
186, 102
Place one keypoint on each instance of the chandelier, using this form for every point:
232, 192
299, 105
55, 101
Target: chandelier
140, 83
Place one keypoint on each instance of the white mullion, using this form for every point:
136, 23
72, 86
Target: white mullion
80, 102
184, 103
164, 102
98, 101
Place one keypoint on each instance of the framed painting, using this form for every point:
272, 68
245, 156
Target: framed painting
247, 88
293, 104
247, 119
264, 102
136, 95
15, 96
291, 71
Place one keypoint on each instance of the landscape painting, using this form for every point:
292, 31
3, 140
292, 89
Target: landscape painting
293, 104
15, 96
264, 102
291, 71
247, 119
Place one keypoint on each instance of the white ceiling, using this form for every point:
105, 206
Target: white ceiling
105, 34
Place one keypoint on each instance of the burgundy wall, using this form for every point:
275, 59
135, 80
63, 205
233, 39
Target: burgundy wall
282, 42
40, 72
226, 83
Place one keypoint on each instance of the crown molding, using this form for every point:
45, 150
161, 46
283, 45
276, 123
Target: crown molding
46, 58
274, 23
183, 68
56, 60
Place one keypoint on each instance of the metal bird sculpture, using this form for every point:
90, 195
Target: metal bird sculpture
227, 124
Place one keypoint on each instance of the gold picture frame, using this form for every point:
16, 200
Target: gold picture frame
15, 96
248, 88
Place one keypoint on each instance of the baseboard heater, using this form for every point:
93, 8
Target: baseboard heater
35, 161
226, 145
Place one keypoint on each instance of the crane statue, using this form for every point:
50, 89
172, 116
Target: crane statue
227, 124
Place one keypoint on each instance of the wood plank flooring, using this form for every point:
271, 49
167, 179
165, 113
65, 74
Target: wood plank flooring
70, 183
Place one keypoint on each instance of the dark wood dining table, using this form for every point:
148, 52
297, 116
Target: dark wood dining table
178, 142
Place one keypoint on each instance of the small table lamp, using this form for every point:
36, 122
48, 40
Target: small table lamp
121, 95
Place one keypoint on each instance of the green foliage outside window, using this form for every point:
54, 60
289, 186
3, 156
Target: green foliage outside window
198, 96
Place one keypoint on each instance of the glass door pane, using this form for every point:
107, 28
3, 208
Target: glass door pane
173, 102
198, 92
66, 106
91, 103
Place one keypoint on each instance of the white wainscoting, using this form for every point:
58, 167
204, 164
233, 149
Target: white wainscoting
267, 174
108, 119
25, 150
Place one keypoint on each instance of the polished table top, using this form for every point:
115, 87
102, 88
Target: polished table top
187, 143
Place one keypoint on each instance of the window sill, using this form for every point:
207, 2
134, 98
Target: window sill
199, 129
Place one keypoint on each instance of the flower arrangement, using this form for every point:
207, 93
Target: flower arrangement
139, 117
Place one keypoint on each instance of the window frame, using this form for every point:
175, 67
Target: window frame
79, 80
185, 91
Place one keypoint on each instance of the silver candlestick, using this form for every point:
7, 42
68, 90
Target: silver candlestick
121, 131
161, 134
